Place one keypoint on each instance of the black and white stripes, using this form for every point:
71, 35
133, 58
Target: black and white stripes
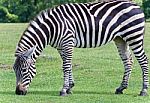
85, 25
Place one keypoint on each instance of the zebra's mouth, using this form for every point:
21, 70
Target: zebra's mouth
21, 90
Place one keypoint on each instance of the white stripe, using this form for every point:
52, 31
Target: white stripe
134, 46
33, 31
133, 34
80, 30
62, 28
23, 47
70, 19
105, 17
79, 15
28, 40
137, 39
133, 27
39, 28
46, 15
114, 20
55, 30
91, 7
24, 42
99, 9
87, 25
93, 32
51, 42
26, 33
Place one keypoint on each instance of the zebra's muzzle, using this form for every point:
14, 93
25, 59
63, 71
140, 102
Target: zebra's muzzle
20, 90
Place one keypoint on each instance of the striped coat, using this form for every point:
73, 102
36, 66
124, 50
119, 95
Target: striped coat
84, 25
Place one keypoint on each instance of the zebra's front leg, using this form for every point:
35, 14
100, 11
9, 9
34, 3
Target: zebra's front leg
66, 55
126, 57
71, 82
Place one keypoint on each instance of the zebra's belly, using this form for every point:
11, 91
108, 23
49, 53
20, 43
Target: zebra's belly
90, 43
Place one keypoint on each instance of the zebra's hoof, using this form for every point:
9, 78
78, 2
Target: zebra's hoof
143, 93
20, 92
118, 91
70, 87
69, 91
62, 93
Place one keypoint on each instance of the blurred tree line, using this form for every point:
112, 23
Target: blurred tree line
24, 10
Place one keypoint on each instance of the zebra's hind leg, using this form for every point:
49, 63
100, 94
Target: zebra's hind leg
136, 44
126, 57
66, 54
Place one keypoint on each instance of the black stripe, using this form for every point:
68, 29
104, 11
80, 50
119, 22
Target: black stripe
106, 8
42, 14
109, 18
133, 23
39, 34
37, 21
122, 18
36, 39
66, 16
33, 42
132, 31
136, 42
45, 30
90, 25
21, 42
61, 20
94, 9
77, 16
43, 27
101, 14
56, 28
137, 47
51, 30
134, 37
27, 42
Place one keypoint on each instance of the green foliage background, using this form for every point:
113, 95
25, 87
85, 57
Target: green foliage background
25, 10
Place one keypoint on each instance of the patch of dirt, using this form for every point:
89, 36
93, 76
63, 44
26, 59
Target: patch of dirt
47, 57
5, 66
75, 66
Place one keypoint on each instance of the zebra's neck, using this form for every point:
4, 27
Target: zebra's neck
43, 30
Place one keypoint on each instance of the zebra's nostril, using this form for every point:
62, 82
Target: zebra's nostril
20, 92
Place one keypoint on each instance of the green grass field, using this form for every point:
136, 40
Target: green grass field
97, 73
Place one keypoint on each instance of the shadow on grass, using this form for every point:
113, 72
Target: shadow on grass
106, 93
93, 92
7, 92
56, 93
52, 93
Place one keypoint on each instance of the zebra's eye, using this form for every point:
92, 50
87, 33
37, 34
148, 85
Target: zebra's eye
24, 70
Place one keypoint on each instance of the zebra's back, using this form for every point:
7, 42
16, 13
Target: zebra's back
91, 24
95, 24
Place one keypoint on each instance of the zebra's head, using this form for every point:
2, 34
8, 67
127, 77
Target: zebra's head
23, 66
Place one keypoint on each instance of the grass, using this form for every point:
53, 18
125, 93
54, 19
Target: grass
97, 73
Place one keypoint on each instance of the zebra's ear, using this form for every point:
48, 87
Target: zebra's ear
27, 54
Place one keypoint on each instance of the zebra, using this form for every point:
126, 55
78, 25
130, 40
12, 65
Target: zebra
82, 25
